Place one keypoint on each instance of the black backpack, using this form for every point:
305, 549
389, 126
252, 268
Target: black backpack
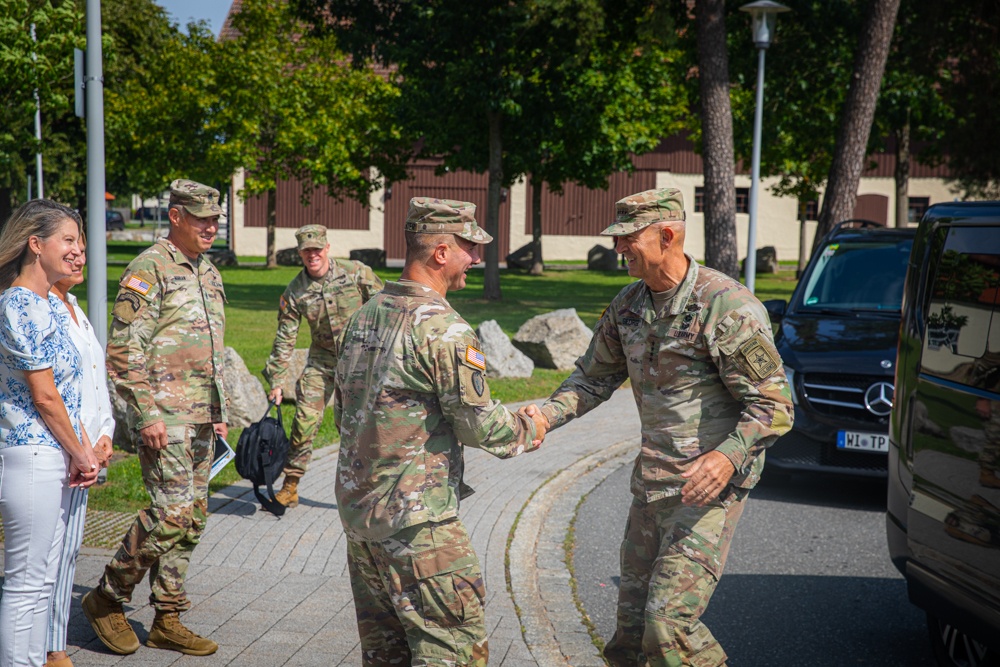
260, 457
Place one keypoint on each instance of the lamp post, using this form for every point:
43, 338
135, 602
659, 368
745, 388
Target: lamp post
764, 15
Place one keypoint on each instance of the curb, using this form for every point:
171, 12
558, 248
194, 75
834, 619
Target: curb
550, 618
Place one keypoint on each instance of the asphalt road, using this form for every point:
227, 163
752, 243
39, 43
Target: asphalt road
808, 582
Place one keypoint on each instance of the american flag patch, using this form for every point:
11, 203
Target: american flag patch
137, 285
475, 357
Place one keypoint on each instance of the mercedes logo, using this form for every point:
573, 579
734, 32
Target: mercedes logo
879, 397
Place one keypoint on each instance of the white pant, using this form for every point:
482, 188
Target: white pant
32, 479
75, 514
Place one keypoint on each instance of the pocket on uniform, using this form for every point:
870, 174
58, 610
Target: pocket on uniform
451, 587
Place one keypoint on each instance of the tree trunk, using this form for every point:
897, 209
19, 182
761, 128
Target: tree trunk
6, 207
717, 138
272, 224
491, 281
856, 121
537, 265
902, 173
803, 251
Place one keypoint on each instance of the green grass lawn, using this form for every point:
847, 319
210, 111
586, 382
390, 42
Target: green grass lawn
251, 322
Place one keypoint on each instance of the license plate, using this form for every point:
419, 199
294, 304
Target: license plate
862, 442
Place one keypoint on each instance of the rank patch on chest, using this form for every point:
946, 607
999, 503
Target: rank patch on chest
759, 357
137, 284
476, 358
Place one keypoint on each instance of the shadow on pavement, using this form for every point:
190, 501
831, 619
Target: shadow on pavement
860, 493
790, 621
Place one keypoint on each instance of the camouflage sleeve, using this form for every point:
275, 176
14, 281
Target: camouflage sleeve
135, 314
289, 317
599, 372
478, 420
751, 369
368, 283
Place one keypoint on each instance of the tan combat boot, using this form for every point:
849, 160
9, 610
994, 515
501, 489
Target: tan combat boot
289, 494
169, 633
109, 623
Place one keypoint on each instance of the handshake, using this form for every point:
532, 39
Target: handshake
534, 413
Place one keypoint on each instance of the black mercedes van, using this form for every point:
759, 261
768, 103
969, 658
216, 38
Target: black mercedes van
943, 508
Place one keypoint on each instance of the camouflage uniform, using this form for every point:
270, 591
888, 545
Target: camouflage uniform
411, 389
165, 358
325, 303
705, 376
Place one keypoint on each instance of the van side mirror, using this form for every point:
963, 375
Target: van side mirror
776, 309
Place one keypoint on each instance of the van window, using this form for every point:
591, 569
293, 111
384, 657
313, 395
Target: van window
962, 328
858, 276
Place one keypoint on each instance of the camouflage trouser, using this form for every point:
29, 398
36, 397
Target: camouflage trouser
419, 598
163, 537
671, 559
312, 392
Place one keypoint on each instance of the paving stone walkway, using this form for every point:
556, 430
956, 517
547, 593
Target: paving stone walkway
276, 591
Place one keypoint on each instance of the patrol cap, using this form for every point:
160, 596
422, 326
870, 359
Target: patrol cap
640, 210
311, 236
445, 216
199, 200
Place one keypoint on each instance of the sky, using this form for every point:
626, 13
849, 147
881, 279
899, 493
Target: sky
212, 11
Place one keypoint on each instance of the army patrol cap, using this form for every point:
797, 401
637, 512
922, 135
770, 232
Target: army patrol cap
445, 216
199, 200
311, 236
640, 210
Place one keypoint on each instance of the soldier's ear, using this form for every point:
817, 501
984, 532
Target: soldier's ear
666, 236
440, 254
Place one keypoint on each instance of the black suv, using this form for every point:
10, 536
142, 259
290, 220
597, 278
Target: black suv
943, 508
837, 338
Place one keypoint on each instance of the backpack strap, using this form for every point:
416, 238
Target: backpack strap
270, 504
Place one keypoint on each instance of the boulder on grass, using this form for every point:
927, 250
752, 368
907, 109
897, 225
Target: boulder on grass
373, 257
602, 258
522, 258
288, 257
247, 398
767, 261
222, 257
555, 339
503, 360
296, 364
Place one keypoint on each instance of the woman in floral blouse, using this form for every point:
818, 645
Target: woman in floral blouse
43, 447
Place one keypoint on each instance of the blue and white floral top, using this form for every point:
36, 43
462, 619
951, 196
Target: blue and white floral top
34, 335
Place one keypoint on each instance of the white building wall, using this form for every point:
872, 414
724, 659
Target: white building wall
252, 241
777, 220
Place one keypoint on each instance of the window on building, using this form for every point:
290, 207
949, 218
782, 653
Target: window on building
742, 200
812, 209
918, 206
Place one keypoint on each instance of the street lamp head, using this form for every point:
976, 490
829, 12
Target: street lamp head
764, 16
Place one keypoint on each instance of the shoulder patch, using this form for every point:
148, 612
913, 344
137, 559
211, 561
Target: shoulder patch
139, 283
475, 357
127, 307
282, 302
758, 357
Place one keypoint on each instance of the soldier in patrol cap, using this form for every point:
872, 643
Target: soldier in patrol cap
411, 391
165, 359
325, 294
712, 395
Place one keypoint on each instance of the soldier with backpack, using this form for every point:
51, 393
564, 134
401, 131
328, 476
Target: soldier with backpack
324, 294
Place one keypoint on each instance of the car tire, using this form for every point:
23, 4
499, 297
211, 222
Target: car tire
954, 648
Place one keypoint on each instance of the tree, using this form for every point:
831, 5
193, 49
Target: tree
857, 116
509, 88
45, 65
717, 138
290, 106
